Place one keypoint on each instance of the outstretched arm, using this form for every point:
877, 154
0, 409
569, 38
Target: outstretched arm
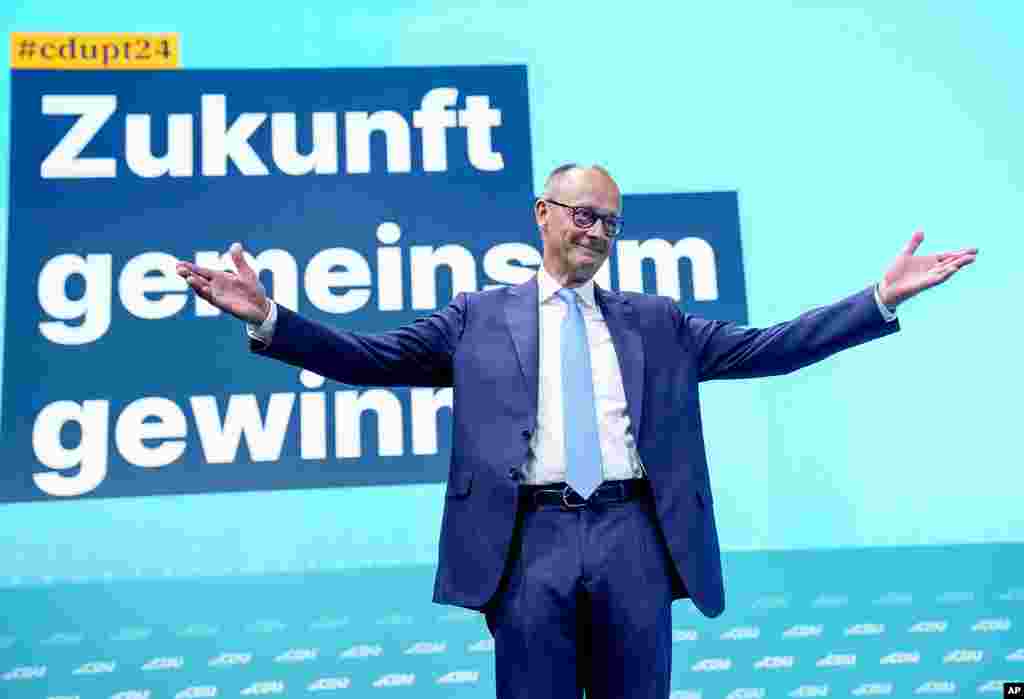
417, 354
727, 350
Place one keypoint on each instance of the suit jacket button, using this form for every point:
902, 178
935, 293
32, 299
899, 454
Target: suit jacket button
514, 474
526, 434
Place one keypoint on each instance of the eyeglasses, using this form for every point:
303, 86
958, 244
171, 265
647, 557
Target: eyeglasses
585, 217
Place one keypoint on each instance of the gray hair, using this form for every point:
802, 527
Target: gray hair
555, 178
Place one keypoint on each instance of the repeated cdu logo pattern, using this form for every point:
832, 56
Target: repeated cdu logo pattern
340, 637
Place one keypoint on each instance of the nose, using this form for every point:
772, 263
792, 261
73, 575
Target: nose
592, 231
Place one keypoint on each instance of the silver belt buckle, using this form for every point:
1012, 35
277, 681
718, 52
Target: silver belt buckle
565, 500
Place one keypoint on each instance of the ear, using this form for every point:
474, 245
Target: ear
540, 212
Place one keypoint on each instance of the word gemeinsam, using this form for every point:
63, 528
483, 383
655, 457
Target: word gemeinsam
77, 293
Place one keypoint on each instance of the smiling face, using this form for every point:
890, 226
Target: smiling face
572, 255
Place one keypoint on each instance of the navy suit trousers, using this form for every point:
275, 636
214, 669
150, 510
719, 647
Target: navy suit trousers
584, 604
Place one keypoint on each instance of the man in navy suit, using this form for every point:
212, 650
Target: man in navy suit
578, 504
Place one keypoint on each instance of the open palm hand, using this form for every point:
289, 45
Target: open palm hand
241, 294
909, 274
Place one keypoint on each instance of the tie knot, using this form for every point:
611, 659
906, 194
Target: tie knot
570, 297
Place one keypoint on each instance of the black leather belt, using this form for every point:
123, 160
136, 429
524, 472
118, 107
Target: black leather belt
568, 499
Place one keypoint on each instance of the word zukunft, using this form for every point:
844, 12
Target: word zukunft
338, 280
152, 432
222, 142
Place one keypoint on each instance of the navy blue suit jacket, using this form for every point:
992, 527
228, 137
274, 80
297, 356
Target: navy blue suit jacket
484, 345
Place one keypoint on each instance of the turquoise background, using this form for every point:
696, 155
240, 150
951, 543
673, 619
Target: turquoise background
843, 129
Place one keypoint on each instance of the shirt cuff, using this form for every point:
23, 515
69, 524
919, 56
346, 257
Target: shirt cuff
264, 332
887, 313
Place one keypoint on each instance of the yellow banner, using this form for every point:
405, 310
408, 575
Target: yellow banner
87, 51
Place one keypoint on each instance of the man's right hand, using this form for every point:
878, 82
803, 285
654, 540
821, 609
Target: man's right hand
241, 294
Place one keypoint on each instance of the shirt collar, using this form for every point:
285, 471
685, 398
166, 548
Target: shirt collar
548, 287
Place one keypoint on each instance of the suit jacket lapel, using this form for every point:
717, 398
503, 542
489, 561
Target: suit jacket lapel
524, 326
629, 347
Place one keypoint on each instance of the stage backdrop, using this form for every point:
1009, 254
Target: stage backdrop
376, 162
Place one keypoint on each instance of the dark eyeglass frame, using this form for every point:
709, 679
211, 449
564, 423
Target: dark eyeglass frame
612, 223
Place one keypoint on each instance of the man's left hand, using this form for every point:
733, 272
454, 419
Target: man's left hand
910, 274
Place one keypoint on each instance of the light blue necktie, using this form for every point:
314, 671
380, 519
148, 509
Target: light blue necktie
579, 409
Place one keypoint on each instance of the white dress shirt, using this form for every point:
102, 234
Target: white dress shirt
546, 462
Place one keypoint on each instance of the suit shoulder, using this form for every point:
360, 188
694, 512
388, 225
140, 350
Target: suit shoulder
642, 301
485, 295
497, 294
